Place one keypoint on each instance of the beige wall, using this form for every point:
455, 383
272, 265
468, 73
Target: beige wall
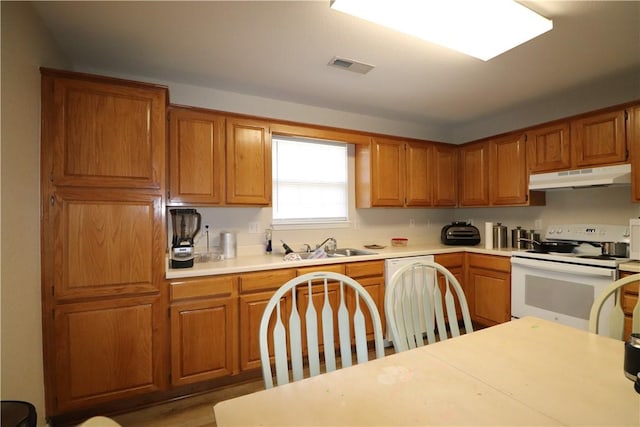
26, 45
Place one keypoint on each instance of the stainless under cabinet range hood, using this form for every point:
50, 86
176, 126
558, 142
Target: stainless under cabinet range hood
593, 177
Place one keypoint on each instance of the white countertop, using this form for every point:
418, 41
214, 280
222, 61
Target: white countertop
247, 263
632, 266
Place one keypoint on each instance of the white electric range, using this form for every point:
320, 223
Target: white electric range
561, 287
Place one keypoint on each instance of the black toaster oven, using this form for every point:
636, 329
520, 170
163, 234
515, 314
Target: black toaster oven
460, 233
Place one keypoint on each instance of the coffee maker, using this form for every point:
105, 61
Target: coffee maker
186, 224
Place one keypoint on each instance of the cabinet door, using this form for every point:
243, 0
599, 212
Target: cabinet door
509, 184
474, 166
107, 350
375, 287
203, 340
103, 132
256, 289
548, 148
445, 176
248, 164
490, 293
419, 172
634, 148
103, 243
453, 262
196, 157
251, 309
388, 176
599, 139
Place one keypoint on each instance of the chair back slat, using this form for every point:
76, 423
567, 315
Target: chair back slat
616, 317
441, 327
343, 330
451, 310
295, 340
322, 313
362, 353
311, 322
327, 331
280, 346
429, 310
416, 306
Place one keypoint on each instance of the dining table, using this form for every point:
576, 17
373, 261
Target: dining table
526, 372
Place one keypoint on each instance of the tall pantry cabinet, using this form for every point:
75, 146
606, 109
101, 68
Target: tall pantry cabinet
103, 243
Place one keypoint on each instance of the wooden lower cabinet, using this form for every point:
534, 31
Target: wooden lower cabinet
255, 291
488, 282
455, 264
629, 301
107, 350
204, 329
370, 274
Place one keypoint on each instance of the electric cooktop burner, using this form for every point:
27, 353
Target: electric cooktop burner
607, 257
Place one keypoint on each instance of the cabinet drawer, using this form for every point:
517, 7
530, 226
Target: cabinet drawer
489, 262
450, 260
364, 269
264, 280
205, 287
335, 268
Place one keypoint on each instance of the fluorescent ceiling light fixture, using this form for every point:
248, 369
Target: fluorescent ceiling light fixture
480, 28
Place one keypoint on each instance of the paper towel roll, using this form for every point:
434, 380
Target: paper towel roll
488, 235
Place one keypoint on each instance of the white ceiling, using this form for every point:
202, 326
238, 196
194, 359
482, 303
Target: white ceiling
281, 49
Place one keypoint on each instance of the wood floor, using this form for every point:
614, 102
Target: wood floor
192, 412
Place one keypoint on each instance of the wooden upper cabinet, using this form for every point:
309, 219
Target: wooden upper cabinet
599, 139
507, 163
196, 157
387, 174
106, 243
494, 173
474, 169
103, 132
248, 166
419, 183
548, 148
445, 175
634, 151
394, 173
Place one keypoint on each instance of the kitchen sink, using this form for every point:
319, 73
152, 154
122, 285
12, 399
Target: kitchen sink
350, 252
341, 252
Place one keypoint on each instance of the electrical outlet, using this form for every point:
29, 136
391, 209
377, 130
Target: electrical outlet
412, 223
254, 227
537, 224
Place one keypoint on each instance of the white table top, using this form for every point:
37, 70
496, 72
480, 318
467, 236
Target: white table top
526, 372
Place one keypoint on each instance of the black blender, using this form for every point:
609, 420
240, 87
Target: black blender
186, 224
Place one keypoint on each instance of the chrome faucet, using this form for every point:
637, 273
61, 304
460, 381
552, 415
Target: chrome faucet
331, 245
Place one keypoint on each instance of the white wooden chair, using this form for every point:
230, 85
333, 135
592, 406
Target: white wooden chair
616, 316
337, 302
415, 307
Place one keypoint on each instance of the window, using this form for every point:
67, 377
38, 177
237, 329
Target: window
309, 181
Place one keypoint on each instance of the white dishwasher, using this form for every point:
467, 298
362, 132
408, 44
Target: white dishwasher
391, 265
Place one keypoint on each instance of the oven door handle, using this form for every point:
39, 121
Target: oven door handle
565, 267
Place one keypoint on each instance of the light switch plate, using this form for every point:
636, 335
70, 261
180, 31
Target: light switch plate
254, 227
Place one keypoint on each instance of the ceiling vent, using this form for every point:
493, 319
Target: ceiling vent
350, 65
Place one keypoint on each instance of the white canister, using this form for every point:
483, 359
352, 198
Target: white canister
488, 235
228, 244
